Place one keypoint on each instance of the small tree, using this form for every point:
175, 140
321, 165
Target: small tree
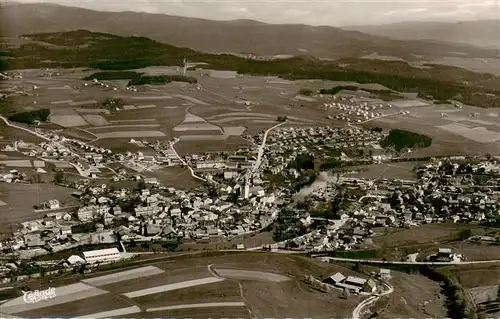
464, 234
59, 177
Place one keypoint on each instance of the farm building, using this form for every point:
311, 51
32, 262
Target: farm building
385, 273
74, 260
151, 180
102, 255
351, 284
334, 279
444, 254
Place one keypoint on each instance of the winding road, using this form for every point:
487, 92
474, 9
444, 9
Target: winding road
356, 313
185, 163
24, 129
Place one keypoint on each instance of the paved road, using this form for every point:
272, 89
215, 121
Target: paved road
437, 263
263, 146
185, 163
24, 129
356, 313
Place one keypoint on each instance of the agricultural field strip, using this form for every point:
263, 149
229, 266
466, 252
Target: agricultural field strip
162, 97
484, 293
199, 305
72, 120
229, 114
145, 106
132, 121
190, 99
64, 294
130, 134
61, 102
92, 111
170, 287
203, 137
478, 134
78, 103
17, 163
123, 126
124, 275
95, 119
250, 275
112, 313
196, 127
190, 118
240, 118
234, 130
235, 116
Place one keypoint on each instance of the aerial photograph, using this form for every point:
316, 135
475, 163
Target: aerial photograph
250, 159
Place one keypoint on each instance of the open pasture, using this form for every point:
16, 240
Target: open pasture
428, 121
16, 163
124, 127
223, 298
138, 121
145, 106
95, 120
201, 313
20, 199
92, 111
223, 291
64, 295
177, 177
124, 275
129, 134
196, 127
10, 134
198, 144
160, 282
484, 293
67, 118
414, 296
294, 299
424, 234
170, 287
471, 276
151, 98
250, 275
85, 307
190, 99
477, 134
409, 103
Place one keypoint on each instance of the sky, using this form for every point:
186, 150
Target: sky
312, 12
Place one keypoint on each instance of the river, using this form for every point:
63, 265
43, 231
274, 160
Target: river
321, 182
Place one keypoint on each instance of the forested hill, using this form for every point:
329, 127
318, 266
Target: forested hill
83, 48
236, 36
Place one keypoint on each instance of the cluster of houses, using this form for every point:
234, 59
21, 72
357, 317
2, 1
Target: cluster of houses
443, 192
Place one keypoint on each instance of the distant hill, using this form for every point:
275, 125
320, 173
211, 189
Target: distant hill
238, 36
82, 48
485, 33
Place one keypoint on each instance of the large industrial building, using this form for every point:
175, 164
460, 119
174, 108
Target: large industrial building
102, 256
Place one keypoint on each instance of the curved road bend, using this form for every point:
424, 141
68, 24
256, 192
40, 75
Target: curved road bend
185, 163
24, 129
356, 313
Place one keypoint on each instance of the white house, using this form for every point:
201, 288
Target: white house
86, 213
54, 204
